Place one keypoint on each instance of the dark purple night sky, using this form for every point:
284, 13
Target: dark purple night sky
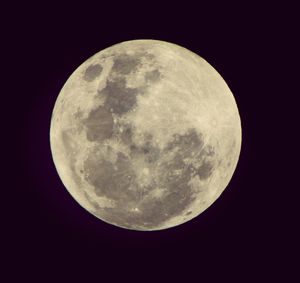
51, 236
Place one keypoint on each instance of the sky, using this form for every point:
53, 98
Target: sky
48, 235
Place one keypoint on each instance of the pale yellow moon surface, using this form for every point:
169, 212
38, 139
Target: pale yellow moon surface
145, 135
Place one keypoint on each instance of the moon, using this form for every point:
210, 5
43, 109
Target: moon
145, 135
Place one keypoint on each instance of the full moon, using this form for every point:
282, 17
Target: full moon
145, 135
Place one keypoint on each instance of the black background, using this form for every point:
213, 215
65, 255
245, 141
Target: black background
242, 236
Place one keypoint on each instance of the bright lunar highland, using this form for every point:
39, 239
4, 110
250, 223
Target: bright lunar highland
145, 135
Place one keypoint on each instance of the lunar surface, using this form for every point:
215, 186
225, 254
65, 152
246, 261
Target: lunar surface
145, 135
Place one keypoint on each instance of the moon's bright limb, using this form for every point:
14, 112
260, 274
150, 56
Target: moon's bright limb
145, 135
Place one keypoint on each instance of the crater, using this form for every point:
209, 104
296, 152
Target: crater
152, 212
174, 176
111, 180
136, 207
125, 64
66, 140
99, 125
147, 150
187, 145
152, 76
119, 98
126, 135
208, 151
92, 72
69, 150
190, 147
205, 170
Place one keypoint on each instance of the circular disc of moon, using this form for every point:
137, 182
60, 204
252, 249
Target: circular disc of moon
145, 135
